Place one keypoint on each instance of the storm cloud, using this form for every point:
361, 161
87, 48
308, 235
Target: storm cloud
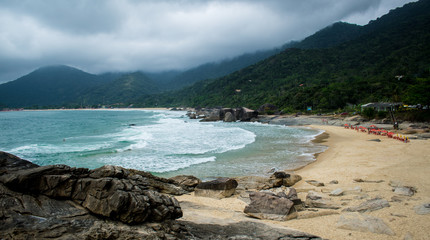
154, 35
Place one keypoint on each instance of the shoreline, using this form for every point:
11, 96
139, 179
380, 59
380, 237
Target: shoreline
350, 155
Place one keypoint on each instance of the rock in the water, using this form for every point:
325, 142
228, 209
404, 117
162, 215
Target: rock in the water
270, 206
219, 188
315, 183
369, 206
363, 223
315, 200
422, 209
187, 181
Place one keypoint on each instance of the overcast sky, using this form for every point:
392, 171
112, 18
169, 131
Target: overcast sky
153, 35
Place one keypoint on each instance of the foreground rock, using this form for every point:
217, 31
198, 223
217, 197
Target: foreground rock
270, 206
59, 202
244, 230
125, 195
219, 188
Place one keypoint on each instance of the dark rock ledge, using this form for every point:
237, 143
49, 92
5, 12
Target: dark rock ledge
60, 202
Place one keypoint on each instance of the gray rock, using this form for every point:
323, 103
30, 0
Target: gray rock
315, 183
187, 181
245, 114
333, 182
270, 206
277, 179
315, 200
219, 188
369, 206
405, 191
422, 209
363, 223
229, 117
245, 230
336, 192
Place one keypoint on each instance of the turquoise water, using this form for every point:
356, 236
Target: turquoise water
165, 143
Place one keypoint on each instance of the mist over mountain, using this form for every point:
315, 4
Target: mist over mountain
342, 63
386, 60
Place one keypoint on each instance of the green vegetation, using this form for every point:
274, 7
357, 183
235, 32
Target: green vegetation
388, 61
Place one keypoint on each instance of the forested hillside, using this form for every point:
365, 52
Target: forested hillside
387, 61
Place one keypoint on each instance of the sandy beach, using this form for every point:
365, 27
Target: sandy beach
350, 155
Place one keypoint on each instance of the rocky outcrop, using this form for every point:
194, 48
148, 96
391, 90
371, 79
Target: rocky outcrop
265, 205
60, 202
125, 195
219, 188
224, 114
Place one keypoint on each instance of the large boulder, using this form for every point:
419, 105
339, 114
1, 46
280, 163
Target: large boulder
229, 117
187, 182
219, 188
277, 179
266, 205
112, 192
245, 114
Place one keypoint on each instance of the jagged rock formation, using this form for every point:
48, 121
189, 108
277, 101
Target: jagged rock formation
60, 202
224, 114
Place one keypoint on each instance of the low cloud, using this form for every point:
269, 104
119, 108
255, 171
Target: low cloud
114, 35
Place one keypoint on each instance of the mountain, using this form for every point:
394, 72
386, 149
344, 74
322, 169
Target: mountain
332, 35
218, 69
121, 90
386, 60
47, 86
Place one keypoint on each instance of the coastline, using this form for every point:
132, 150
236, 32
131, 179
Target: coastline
350, 155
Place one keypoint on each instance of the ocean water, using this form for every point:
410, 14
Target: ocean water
165, 143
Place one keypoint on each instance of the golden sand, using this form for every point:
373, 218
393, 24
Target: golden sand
350, 156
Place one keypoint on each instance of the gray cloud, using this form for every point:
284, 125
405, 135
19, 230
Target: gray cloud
153, 35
